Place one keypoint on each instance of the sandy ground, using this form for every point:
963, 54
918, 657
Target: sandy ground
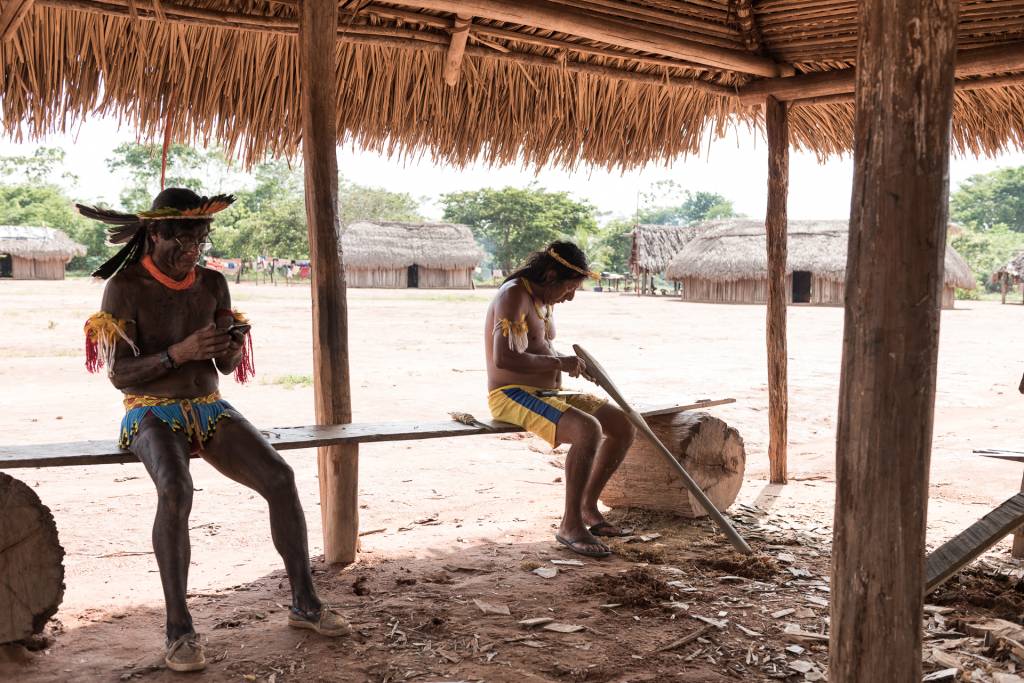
465, 519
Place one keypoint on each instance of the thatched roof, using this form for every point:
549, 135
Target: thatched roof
1013, 271
734, 249
654, 246
38, 243
604, 82
400, 245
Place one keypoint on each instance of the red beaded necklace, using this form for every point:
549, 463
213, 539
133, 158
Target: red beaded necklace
166, 280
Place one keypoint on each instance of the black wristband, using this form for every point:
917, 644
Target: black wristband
167, 361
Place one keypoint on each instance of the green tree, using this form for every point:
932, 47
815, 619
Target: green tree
204, 171
361, 202
30, 195
987, 250
988, 200
512, 222
269, 219
668, 204
44, 165
617, 238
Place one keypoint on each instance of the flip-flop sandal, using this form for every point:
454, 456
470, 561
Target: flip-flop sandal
330, 623
608, 530
579, 547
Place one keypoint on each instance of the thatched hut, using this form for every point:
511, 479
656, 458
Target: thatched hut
1008, 275
35, 253
727, 263
397, 255
654, 247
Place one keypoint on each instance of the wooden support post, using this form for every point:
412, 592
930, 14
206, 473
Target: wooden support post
777, 124
890, 342
338, 465
456, 49
1002, 286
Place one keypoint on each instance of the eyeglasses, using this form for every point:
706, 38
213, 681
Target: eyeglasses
201, 244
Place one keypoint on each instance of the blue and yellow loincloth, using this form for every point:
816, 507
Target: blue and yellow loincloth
197, 417
520, 405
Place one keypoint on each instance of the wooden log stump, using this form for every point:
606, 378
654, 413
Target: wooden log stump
709, 449
31, 562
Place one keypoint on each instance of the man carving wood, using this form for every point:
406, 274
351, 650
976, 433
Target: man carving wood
165, 329
522, 366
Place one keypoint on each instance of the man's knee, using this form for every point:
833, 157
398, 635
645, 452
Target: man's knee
618, 427
590, 432
279, 482
176, 496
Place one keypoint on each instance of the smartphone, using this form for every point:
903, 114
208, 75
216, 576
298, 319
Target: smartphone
238, 331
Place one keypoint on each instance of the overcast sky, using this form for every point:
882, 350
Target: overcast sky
735, 167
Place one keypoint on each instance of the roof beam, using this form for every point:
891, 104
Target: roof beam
13, 14
380, 36
989, 60
748, 25
546, 16
456, 49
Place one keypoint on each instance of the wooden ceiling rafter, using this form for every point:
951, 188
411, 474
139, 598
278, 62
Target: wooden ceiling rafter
614, 32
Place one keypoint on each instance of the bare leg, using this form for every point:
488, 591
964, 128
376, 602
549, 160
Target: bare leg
583, 432
240, 452
618, 435
165, 455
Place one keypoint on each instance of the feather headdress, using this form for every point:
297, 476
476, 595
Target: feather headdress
126, 228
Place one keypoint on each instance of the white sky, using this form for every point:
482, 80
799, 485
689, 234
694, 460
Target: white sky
735, 167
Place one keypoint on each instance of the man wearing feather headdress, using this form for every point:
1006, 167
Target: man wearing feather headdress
165, 329
524, 376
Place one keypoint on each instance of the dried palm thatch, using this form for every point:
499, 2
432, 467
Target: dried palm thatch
1012, 272
613, 83
32, 242
735, 249
654, 246
388, 245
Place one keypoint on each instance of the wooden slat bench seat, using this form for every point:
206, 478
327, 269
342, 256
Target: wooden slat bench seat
288, 438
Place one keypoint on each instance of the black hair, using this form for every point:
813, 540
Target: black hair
540, 262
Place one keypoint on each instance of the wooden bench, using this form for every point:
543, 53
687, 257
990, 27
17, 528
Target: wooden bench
288, 438
34, 535
956, 553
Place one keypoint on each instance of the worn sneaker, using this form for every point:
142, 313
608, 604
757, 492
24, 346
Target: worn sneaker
328, 623
185, 654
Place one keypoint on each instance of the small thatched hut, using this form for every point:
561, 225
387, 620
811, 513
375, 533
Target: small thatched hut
35, 253
727, 263
654, 247
1009, 274
395, 255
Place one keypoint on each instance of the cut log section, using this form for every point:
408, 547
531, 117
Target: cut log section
709, 449
31, 562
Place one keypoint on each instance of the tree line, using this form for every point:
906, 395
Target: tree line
269, 217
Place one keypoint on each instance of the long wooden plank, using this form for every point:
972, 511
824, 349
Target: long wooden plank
289, 438
544, 15
959, 551
969, 63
